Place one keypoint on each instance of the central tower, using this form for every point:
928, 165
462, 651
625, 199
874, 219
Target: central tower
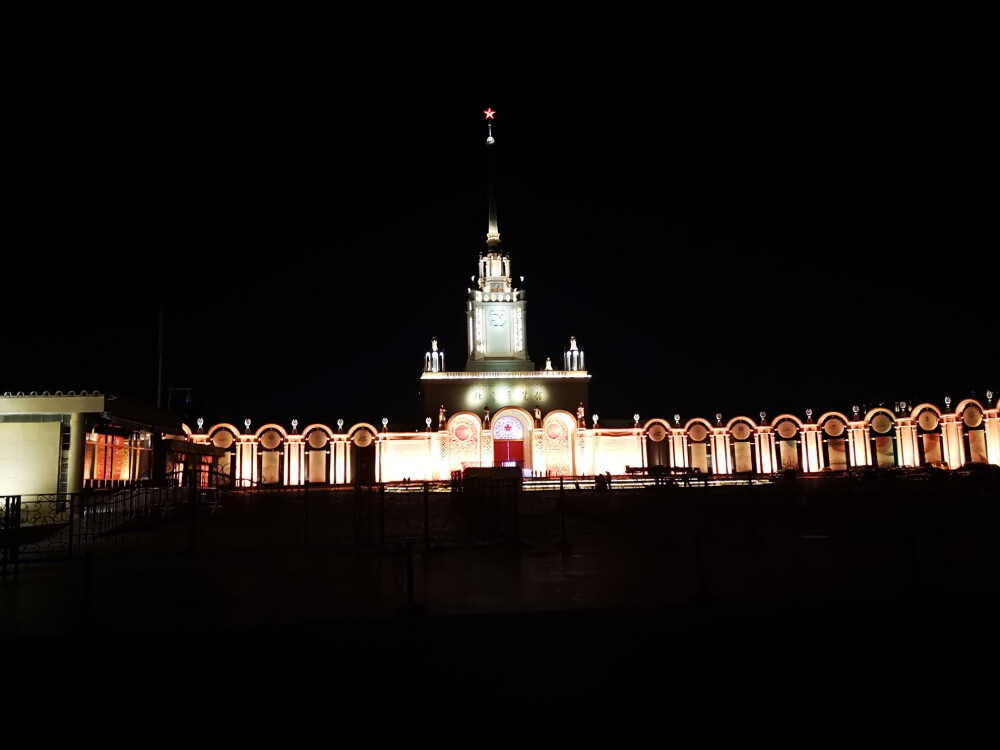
498, 373
495, 310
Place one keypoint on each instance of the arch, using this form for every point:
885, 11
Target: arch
698, 445
787, 431
271, 426
656, 439
555, 443
930, 447
319, 458
834, 427
881, 423
511, 431
742, 446
972, 420
464, 430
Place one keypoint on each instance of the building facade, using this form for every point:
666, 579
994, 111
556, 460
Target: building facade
500, 410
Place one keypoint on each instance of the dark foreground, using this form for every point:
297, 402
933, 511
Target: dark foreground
804, 616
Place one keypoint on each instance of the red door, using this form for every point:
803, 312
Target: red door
508, 453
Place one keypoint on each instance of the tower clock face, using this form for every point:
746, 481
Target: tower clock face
498, 317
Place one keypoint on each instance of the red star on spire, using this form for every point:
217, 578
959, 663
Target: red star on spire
489, 113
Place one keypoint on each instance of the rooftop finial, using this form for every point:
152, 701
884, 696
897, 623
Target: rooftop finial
493, 231
489, 126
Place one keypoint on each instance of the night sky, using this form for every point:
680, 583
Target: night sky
723, 233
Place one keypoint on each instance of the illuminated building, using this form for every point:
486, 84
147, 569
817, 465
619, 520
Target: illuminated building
498, 410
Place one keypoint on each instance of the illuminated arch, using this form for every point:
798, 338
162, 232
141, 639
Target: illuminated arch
464, 444
834, 427
554, 444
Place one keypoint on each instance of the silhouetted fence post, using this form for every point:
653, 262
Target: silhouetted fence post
564, 544
381, 513
427, 515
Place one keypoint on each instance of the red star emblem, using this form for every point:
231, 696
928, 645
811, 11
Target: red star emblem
489, 113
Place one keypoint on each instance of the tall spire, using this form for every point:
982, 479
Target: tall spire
493, 232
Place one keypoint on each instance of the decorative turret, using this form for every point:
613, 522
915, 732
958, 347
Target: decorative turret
434, 359
573, 357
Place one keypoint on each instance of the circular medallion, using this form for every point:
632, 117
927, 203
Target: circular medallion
697, 433
787, 429
881, 423
928, 420
362, 438
833, 427
462, 432
317, 439
741, 431
972, 417
553, 430
270, 440
657, 433
222, 439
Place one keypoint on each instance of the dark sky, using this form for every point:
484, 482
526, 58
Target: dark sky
724, 233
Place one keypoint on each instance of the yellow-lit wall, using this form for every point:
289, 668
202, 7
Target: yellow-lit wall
29, 458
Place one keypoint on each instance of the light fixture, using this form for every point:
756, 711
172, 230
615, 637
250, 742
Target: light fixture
595, 417
677, 419
340, 425
385, 422
809, 414
246, 422
428, 423
763, 415
989, 398
947, 402
201, 422
718, 418
636, 418
295, 424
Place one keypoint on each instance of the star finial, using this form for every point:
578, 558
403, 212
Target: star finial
489, 113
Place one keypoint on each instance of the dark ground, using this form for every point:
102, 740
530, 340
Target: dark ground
792, 615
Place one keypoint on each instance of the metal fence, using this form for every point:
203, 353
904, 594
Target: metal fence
179, 519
